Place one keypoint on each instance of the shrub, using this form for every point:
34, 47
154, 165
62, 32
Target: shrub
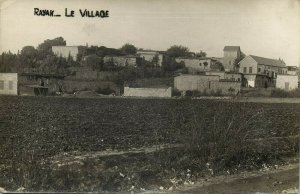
176, 92
222, 143
285, 94
105, 91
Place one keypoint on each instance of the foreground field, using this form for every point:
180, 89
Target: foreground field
70, 144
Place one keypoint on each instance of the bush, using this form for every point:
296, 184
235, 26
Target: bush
195, 93
105, 91
286, 94
176, 92
222, 144
191, 93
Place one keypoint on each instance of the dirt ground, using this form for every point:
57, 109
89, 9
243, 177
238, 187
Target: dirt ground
284, 179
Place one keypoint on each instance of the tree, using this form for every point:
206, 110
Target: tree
94, 62
155, 60
45, 48
170, 65
28, 56
9, 62
178, 51
201, 54
128, 49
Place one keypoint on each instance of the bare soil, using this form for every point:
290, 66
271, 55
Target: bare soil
284, 179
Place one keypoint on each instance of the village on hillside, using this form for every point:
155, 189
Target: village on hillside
57, 69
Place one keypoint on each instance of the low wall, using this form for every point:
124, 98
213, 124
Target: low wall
148, 92
194, 82
226, 87
207, 84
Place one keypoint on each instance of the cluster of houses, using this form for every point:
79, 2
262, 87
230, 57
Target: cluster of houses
227, 75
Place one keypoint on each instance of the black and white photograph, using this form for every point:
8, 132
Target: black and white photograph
149, 96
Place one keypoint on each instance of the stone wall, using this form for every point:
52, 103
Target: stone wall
195, 65
206, 84
287, 82
9, 83
225, 87
121, 60
258, 81
194, 82
148, 92
149, 55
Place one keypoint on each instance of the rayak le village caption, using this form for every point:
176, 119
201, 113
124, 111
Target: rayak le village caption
72, 13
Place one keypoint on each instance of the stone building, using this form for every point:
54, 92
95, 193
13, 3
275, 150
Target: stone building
231, 54
208, 84
264, 66
261, 71
66, 51
152, 56
287, 82
9, 83
40, 83
128, 60
199, 64
230, 76
292, 70
258, 81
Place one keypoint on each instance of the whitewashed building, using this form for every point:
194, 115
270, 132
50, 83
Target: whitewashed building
287, 82
66, 51
149, 55
9, 83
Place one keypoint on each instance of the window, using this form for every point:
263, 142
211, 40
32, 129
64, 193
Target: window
229, 62
10, 85
239, 79
200, 64
250, 69
1, 85
259, 70
245, 69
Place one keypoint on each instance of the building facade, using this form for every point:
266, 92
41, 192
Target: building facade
292, 70
263, 66
287, 82
208, 84
260, 71
122, 61
152, 56
199, 64
231, 54
66, 51
9, 83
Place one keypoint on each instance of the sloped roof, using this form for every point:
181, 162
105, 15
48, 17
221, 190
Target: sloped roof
267, 61
151, 51
231, 48
197, 58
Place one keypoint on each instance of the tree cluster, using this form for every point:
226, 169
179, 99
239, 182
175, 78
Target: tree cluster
40, 59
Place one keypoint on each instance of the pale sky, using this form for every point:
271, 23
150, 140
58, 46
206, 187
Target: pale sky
267, 28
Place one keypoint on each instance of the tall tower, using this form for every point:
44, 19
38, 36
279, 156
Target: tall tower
231, 53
